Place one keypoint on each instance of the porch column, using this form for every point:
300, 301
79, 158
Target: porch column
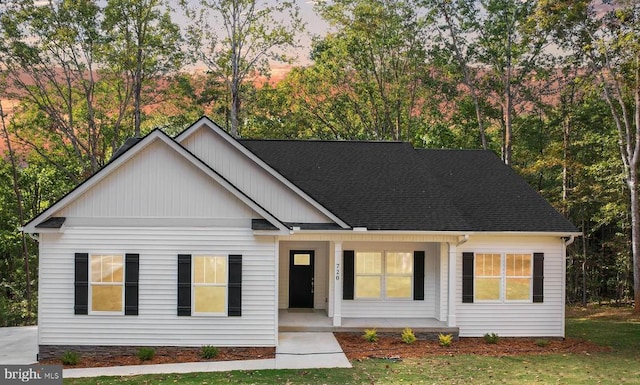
336, 278
451, 318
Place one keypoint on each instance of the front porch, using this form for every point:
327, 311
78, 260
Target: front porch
315, 320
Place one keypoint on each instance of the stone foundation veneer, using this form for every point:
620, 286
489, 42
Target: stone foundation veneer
52, 352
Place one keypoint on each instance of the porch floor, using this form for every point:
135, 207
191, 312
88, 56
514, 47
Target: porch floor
294, 320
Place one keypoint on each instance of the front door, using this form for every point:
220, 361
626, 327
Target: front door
301, 279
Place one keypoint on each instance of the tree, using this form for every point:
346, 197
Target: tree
606, 38
454, 22
370, 78
254, 33
49, 53
143, 43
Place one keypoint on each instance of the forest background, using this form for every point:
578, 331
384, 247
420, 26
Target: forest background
551, 86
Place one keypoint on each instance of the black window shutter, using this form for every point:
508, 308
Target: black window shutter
184, 284
235, 286
538, 277
81, 282
131, 273
467, 277
348, 265
418, 275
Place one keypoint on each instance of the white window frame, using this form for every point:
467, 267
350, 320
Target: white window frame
91, 283
503, 278
194, 285
383, 276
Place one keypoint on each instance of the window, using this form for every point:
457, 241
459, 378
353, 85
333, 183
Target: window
518, 281
209, 284
383, 275
503, 277
488, 277
107, 283
368, 275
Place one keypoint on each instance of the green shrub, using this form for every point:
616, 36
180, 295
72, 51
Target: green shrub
542, 343
408, 337
445, 339
146, 353
491, 338
209, 352
70, 358
370, 335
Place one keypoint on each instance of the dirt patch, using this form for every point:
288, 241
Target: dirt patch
355, 347
170, 356
603, 312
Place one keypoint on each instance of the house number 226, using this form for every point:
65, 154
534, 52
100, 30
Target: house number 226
337, 271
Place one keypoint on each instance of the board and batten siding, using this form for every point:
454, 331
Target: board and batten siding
157, 183
511, 319
398, 308
252, 179
157, 323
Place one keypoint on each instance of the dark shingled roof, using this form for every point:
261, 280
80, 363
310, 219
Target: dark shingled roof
392, 186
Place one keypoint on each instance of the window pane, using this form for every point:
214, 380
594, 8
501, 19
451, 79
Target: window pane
368, 263
399, 263
367, 287
107, 268
487, 265
398, 287
209, 269
106, 298
302, 259
487, 289
518, 265
518, 288
209, 299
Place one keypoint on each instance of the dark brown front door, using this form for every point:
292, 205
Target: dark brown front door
301, 279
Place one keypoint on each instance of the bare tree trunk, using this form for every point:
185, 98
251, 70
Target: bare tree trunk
137, 92
584, 267
508, 108
18, 193
466, 75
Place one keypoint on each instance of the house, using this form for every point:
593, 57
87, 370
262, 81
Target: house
204, 239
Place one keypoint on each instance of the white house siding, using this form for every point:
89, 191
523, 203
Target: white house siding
157, 323
515, 319
156, 183
398, 308
320, 275
252, 179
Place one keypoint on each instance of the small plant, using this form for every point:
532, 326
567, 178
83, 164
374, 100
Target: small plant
370, 335
542, 343
445, 339
491, 338
146, 353
408, 337
70, 358
209, 352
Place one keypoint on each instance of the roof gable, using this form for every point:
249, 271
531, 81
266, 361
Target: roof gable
153, 138
253, 176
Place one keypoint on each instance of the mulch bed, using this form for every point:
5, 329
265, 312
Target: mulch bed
356, 348
170, 356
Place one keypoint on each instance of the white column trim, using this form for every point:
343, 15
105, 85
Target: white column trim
451, 318
337, 276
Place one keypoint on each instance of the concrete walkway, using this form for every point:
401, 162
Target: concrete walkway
19, 345
295, 351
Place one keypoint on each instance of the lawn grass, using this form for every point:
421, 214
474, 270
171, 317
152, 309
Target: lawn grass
620, 366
